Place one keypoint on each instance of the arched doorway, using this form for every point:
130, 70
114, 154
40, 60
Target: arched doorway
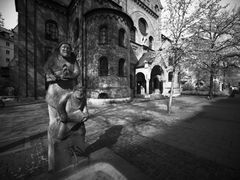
156, 82
141, 83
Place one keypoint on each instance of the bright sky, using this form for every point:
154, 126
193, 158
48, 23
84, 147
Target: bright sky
7, 8
232, 3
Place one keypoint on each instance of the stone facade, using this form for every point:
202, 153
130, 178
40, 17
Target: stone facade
6, 59
112, 84
108, 37
154, 72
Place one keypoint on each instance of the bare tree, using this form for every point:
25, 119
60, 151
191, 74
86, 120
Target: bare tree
216, 37
1, 20
180, 16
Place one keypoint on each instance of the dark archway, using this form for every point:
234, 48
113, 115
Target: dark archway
103, 96
156, 83
141, 82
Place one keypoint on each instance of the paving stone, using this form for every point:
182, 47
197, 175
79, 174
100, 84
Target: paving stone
177, 146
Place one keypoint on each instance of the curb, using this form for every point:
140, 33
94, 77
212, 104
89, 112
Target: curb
23, 140
23, 103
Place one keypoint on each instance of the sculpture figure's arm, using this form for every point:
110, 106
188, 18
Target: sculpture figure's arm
85, 112
76, 71
79, 115
61, 108
51, 74
74, 74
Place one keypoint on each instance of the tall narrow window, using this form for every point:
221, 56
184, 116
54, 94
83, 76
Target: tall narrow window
170, 61
121, 67
51, 30
131, 81
170, 76
179, 77
150, 42
103, 66
133, 34
121, 36
103, 34
5, 72
76, 29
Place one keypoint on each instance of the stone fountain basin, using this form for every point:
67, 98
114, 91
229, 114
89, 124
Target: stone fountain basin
101, 165
101, 171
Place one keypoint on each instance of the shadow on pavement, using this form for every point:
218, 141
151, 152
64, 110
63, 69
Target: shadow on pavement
107, 139
199, 140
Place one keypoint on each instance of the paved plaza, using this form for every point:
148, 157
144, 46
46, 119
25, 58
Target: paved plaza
199, 140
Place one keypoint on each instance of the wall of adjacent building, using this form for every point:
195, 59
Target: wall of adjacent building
6, 57
6, 45
32, 44
136, 12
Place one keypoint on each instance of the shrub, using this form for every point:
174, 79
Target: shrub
187, 87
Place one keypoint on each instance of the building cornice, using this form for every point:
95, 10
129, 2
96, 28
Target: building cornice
146, 8
53, 6
73, 5
110, 13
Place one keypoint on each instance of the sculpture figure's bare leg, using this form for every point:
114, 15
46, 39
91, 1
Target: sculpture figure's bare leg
53, 115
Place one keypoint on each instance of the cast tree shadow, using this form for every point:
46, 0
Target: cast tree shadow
107, 139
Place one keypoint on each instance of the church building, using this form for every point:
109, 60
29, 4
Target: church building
118, 43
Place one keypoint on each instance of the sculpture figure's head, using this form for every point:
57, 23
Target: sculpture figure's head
64, 49
79, 94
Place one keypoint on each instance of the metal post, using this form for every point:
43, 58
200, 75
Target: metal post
26, 46
35, 51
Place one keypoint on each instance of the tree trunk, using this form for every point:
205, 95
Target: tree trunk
211, 86
224, 76
169, 107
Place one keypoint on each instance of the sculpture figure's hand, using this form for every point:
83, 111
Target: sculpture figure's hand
50, 78
63, 117
85, 117
66, 74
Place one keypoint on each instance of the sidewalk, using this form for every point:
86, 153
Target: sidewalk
199, 140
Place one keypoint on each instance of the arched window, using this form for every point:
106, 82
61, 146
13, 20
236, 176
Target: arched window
150, 42
133, 34
170, 76
103, 34
76, 29
121, 37
121, 67
131, 81
103, 66
51, 30
179, 77
142, 24
170, 61
103, 96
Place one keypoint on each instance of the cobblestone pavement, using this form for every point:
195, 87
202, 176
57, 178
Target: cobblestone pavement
199, 140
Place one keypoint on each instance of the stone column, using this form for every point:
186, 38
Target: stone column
147, 83
147, 86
